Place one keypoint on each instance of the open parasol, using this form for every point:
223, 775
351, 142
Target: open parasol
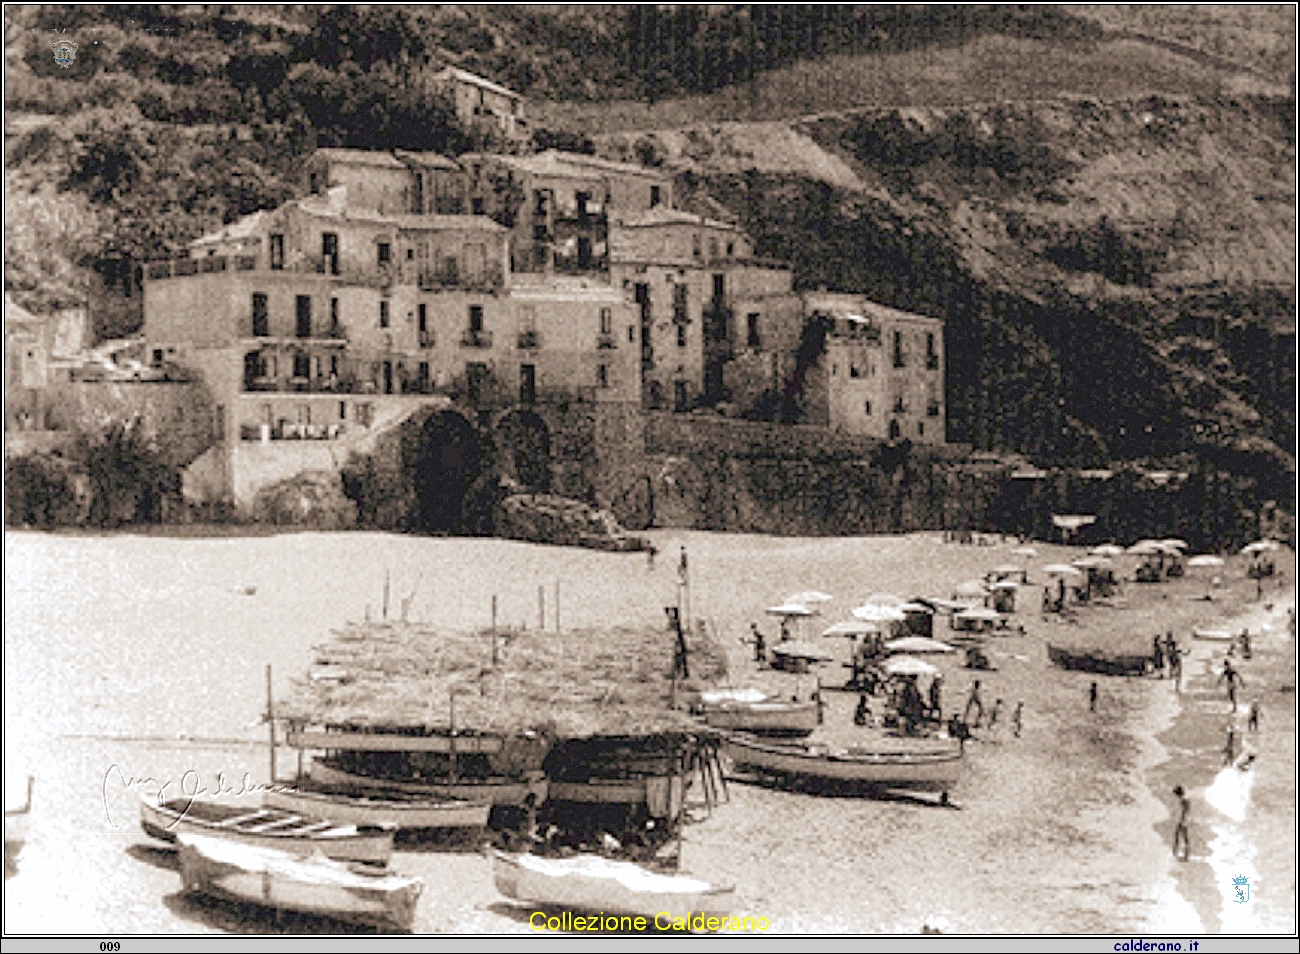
1106, 550
885, 599
851, 627
1205, 559
1175, 542
1259, 546
1062, 569
908, 666
917, 644
1145, 547
1006, 585
1008, 568
789, 609
875, 613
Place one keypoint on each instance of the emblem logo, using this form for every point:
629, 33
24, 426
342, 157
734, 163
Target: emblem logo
1240, 889
65, 52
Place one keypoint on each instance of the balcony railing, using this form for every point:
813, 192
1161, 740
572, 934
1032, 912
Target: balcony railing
529, 339
476, 339
932, 362
426, 339
606, 341
321, 385
291, 432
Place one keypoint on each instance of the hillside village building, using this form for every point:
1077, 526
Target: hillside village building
483, 107
495, 281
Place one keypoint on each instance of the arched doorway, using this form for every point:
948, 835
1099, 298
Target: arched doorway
529, 442
450, 459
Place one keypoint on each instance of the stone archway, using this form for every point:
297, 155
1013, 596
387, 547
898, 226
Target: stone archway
526, 438
450, 460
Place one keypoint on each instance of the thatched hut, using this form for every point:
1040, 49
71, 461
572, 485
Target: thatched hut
593, 712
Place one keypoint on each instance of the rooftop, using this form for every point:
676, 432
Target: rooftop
429, 160
661, 215
358, 157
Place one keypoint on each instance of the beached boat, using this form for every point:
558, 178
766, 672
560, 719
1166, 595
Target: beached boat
1094, 660
662, 795
494, 790
269, 827
17, 821
767, 717
927, 768
313, 885
591, 883
1214, 635
397, 809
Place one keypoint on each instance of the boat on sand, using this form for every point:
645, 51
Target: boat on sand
268, 826
1095, 660
925, 767
598, 884
316, 885
763, 716
399, 810
495, 790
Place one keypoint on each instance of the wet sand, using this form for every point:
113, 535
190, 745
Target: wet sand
114, 646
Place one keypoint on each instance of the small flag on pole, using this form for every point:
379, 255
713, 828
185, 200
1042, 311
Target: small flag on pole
681, 568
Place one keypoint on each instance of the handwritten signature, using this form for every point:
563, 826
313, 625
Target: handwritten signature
185, 792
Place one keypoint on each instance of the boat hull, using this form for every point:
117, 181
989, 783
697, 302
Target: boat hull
343, 842
765, 718
1128, 665
587, 884
938, 770
315, 885
402, 814
493, 791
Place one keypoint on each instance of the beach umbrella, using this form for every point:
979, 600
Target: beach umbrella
1259, 546
1062, 569
800, 650
1006, 585
1025, 552
950, 606
907, 666
1106, 550
809, 597
851, 627
1088, 561
875, 613
979, 612
1205, 559
915, 608
789, 609
971, 588
1175, 542
917, 644
1144, 547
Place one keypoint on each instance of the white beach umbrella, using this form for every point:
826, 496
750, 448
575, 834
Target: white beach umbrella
1144, 547
908, 666
1106, 550
1006, 585
875, 613
916, 608
1008, 568
851, 627
808, 597
1062, 569
789, 609
1259, 546
1175, 542
1205, 559
917, 644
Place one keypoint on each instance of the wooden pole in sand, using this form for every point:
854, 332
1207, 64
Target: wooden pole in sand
541, 608
385, 616
557, 606
451, 735
270, 718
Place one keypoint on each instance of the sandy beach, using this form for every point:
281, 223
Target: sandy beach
137, 658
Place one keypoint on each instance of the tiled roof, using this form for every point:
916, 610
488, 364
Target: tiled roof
465, 76
661, 215
359, 157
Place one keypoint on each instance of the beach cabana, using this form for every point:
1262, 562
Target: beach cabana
975, 620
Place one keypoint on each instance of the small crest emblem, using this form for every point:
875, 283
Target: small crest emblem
65, 52
1240, 889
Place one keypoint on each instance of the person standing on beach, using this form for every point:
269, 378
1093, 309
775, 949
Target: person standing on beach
760, 644
973, 701
1016, 718
1230, 746
1092, 697
936, 688
997, 711
1234, 682
1252, 721
1180, 827
1245, 644
1158, 656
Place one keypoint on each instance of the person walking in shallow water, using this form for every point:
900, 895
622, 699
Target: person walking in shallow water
1230, 746
1252, 721
1234, 681
1092, 697
1180, 827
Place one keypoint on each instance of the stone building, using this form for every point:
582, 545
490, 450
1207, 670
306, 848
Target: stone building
485, 109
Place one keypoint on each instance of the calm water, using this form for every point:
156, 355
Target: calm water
142, 657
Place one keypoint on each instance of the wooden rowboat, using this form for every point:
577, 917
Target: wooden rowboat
396, 809
935, 769
494, 791
768, 717
597, 884
1214, 635
277, 879
1108, 664
268, 827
